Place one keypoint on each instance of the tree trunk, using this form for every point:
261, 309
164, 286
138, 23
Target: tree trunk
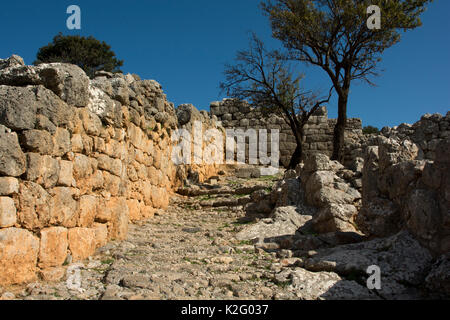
339, 129
298, 153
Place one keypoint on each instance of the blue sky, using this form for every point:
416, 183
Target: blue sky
185, 44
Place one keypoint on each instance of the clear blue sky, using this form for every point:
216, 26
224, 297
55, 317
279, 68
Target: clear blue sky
184, 45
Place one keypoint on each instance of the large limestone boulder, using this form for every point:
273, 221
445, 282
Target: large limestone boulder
12, 159
18, 256
309, 285
403, 262
67, 81
336, 217
107, 109
284, 221
53, 247
20, 108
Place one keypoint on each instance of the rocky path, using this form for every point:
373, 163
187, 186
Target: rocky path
187, 252
194, 250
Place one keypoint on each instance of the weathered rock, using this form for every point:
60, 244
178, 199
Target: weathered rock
82, 243
8, 212
108, 110
65, 178
67, 81
8, 186
64, 208
246, 173
88, 210
37, 141
62, 142
309, 285
284, 222
18, 251
186, 113
438, 280
12, 159
43, 170
403, 262
18, 107
50, 107
114, 212
336, 217
53, 247
11, 62
53, 274
34, 206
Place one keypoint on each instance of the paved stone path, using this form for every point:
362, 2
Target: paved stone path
187, 252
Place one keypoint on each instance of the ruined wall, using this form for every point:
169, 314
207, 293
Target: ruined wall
318, 131
427, 133
79, 159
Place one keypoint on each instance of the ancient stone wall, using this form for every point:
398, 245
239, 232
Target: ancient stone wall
427, 133
79, 159
318, 131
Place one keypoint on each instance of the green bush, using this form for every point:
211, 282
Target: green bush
370, 130
89, 54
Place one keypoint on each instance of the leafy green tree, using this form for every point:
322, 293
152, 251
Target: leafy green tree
89, 54
333, 35
266, 79
370, 130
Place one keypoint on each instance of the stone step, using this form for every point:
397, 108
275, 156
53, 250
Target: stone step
195, 192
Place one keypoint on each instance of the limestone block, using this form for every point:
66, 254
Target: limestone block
19, 252
53, 248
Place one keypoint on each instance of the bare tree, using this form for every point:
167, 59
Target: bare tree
267, 81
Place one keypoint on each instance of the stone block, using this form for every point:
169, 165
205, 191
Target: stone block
19, 252
53, 248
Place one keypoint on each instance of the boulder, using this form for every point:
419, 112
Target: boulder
403, 262
284, 221
18, 107
12, 159
34, 206
82, 243
19, 252
309, 285
335, 217
67, 81
53, 247
8, 186
37, 141
8, 212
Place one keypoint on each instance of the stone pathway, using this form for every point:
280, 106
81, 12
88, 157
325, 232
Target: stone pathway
187, 252
194, 251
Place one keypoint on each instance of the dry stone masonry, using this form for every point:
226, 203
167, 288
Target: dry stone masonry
318, 131
79, 159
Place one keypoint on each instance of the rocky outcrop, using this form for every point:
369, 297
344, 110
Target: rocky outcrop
403, 192
337, 201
